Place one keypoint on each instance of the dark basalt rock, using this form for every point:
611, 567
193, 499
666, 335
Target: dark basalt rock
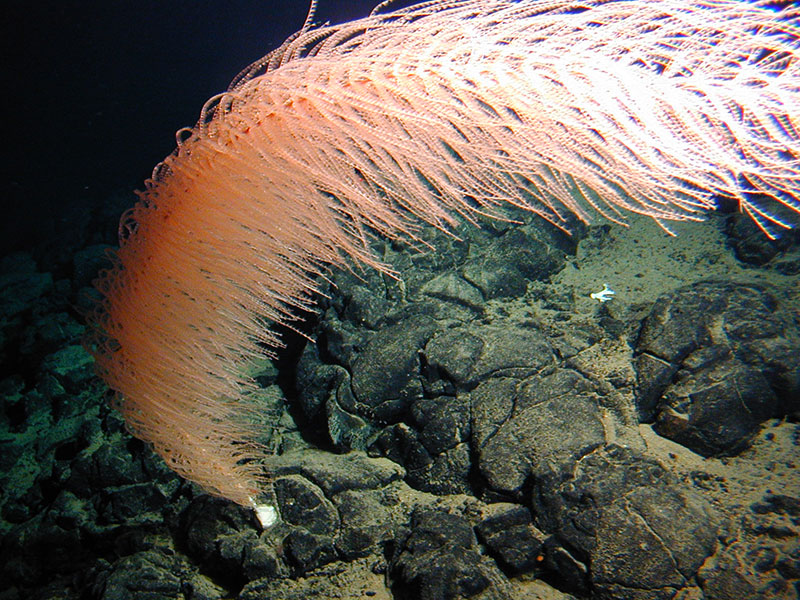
303, 503
714, 361
385, 375
366, 523
333, 507
510, 262
522, 427
434, 450
142, 576
395, 384
306, 551
334, 474
509, 534
753, 247
639, 532
465, 355
219, 535
440, 560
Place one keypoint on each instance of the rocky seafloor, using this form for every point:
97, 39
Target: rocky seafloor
476, 427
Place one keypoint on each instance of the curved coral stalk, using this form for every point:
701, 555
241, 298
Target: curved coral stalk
449, 108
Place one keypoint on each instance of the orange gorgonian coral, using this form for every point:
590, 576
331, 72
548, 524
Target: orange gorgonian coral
446, 109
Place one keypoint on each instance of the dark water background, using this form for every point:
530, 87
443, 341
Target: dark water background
94, 92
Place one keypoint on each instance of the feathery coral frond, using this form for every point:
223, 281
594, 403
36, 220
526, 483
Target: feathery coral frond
446, 109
